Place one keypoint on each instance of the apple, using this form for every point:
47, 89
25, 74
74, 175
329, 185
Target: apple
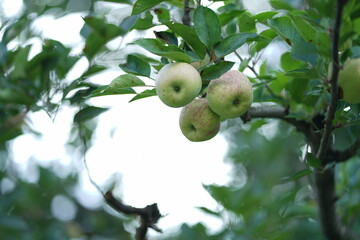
231, 95
177, 84
349, 80
198, 122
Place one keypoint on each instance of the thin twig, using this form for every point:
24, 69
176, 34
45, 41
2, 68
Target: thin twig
83, 139
252, 68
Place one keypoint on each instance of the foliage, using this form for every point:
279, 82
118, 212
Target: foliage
275, 202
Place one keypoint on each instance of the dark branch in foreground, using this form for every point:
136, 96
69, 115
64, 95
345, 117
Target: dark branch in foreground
324, 178
324, 144
149, 215
186, 17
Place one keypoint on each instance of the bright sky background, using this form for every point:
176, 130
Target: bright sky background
139, 141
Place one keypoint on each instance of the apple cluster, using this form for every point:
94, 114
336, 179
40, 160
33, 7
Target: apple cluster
179, 85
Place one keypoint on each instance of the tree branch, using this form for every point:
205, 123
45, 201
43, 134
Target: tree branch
342, 156
324, 144
282, 113
149, 215
186, 17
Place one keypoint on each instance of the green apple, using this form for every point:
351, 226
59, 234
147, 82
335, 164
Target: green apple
349, 80
177, 84
231, 95
198, 122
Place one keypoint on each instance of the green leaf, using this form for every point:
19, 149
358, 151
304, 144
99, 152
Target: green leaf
280, 4
305, 29
189, 35
167, 37
312, 160
136, 65
97, 33
216, 70
159, 48
302, 173
261, 17
144, 94
162, 14
120, 85
93, 70
246, 23
143, 5
227, 16
301, 49
288, 63
207, 26
88, 113
232, 43
285, 28
144, 23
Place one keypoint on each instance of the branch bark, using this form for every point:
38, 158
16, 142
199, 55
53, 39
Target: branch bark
149, 215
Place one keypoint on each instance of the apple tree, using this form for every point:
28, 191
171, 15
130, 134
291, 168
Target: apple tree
282, 85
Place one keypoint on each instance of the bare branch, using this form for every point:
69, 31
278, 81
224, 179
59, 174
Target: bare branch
149, 215
342, 156
277, 112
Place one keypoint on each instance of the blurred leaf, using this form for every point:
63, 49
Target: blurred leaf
119, 1
208, 211
159, 48
207, 26
143, 5
227, 16
312, 160
88, 113
129, 22
136, 65
355, 52
13, 95
97, 33
94, 69
216, 70
144, 94
280, 4
232, 43
189, 35
302, 173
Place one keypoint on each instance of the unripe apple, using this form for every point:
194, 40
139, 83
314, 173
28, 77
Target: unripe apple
177, 84
231, 95
198, 122
349, 80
